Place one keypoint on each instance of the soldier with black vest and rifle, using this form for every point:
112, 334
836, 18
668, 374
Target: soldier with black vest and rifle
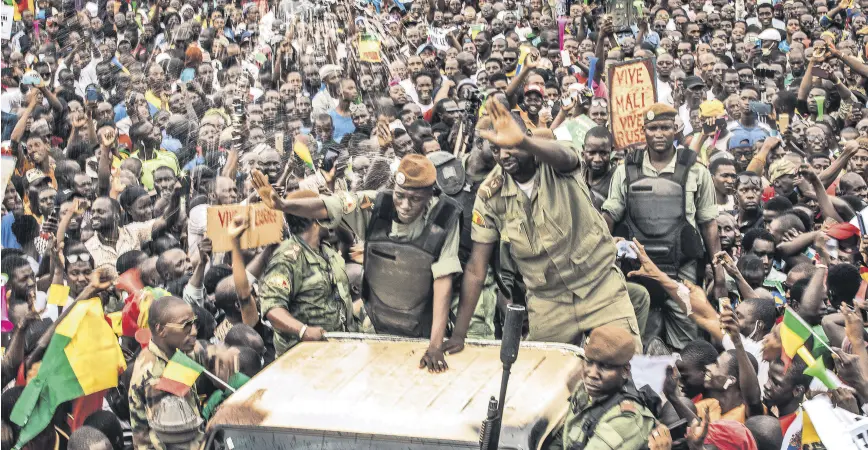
411, 250
664, 199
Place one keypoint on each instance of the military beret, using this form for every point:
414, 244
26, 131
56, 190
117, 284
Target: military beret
660, 111
609, 344
301, 193
415, 171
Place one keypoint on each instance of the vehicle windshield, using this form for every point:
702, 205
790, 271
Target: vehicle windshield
262, 438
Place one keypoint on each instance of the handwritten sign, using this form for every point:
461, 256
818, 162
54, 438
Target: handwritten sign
438, 38
265, 226
632, 89
369, 49
6, 13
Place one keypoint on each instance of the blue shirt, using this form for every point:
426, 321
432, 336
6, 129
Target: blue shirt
7, 239
343, 125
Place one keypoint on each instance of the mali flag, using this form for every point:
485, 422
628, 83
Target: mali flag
179, 375
83, 357
794, 333
303, 153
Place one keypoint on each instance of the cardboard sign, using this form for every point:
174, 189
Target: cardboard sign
438, 38
265, 226
369, 49
6, 13
632, 89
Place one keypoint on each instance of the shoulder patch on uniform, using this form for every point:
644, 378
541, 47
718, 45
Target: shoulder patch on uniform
477, 218
490, 187
628, 406
349, 203
278, 281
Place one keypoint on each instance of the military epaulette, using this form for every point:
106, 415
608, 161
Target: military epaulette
628, 406
490, 186
291, 251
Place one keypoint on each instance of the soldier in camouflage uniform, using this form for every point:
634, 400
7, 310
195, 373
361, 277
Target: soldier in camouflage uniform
607, 412
305, 290
172, 324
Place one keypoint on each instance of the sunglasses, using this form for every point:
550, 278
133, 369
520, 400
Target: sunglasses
186, 326
74, 258
747, 180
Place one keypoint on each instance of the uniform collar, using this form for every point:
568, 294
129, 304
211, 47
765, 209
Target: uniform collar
152, 347
647, 167
510, 186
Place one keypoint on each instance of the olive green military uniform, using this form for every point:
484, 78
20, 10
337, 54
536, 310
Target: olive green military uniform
144, 397
700, 207
563, 250
482, 322
310, 285
625, 426
354, 209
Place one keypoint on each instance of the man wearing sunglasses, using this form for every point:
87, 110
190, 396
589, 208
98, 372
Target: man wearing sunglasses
172, 323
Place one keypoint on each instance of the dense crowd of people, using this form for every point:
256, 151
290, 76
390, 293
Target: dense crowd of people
429, 163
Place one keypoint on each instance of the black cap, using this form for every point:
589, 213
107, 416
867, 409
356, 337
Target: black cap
692, 81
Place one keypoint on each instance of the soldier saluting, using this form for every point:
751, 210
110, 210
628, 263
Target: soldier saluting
537, 202
411, 249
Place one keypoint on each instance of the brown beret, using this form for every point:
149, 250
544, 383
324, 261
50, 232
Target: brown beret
610, 345
415, 171
660, 111
301, 193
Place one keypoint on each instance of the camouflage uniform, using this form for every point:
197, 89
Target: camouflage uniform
144, 397
625, 426
312, 286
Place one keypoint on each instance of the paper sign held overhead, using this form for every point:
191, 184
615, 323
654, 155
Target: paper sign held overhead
265, 226
632, 89
438, 38
6, 13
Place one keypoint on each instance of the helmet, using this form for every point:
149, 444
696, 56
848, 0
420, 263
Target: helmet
450, 172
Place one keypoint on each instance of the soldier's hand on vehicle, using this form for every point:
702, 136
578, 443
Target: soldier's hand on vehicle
434, 360
506, 132
313, 334
648, 269
454, 344
660, 438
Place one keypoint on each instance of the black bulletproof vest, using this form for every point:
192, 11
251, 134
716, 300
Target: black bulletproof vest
656, 212
398, 283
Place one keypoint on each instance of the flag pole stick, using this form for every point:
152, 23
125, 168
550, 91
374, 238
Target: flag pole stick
218, 380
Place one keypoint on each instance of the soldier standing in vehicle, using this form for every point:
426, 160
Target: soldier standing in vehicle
538, 202
411, 250
663, 198
606, 409
305, 290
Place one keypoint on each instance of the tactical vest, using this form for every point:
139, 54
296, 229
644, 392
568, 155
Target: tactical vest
398, 285
657, 213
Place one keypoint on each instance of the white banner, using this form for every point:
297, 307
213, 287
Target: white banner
6, 13
438, 39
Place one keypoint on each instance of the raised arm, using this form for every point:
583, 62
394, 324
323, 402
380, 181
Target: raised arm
310, 208
249, 312
508, 134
